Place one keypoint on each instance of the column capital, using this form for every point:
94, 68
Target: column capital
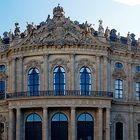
45, 107
73, 108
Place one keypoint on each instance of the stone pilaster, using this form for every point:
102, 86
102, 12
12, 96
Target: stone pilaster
104, 69
100, 124
46, 75
45, 132
107, 123
11, 125
14, 74
18, 124
131, 123
73, 124
72, 72
98, 73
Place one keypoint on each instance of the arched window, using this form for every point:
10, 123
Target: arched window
119, 131
85, 127
33, 82
59, 127
33, 127
59, 80
118, 88
85, 81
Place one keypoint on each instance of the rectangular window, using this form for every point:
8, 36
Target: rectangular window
2, 87
119, 89
138, 91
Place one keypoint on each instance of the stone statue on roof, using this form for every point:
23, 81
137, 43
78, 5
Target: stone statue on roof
107, 33
138, 42
87, 27
118, 37
129, 39
58, 12
100, 29
17, 29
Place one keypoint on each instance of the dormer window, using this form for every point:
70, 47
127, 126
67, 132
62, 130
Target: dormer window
118, 65
137, 69
2, 68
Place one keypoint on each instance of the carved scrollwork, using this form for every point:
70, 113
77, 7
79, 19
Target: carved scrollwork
85, 62
59, 62
3, 76
136, 77
119, 118
119, 73
33, 64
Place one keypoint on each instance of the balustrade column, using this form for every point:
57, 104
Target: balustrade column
73, 124
18, 124
100, 124
11, 125
107, 123
45, 124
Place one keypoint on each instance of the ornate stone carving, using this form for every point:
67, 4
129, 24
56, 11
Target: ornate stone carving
17, 29
33, 64
119, 118
85, 62
129, 39
3, 76
119, 73
136, 76
100, 29
59, 62
59, 31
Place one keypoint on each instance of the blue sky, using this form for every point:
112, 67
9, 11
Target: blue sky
124, 15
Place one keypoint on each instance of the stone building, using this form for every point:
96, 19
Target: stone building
62, 80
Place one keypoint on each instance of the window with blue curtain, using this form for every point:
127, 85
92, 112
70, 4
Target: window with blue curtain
59, 80
85, 81
33, 81
119, 89
2, 87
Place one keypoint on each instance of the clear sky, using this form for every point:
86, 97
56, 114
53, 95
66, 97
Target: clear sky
123, 15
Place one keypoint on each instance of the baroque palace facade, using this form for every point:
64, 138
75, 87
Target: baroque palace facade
62, 80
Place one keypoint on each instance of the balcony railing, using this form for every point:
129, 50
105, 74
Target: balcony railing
60, 93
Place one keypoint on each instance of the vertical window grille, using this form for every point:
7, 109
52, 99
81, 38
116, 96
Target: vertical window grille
137, 90
119, 89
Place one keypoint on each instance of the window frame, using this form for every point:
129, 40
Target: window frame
59, 85
119, 89
85, 84
137, 90
33, 88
